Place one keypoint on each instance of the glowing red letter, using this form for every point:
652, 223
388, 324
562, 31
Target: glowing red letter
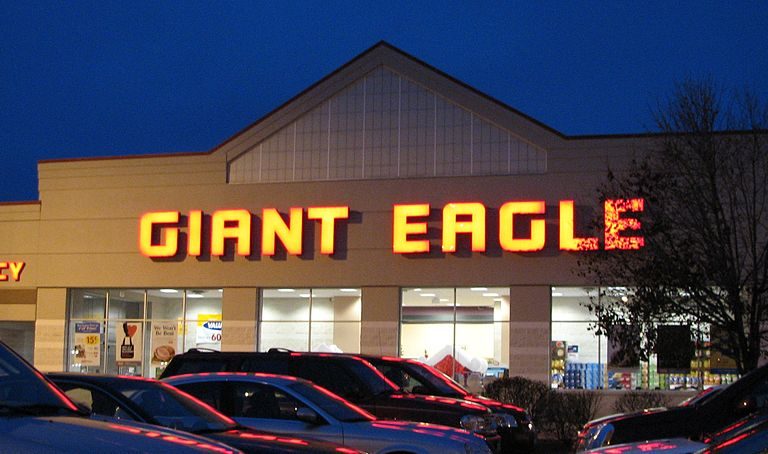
327, 217
168, 246
507, 231
195, 233
475, 227
401, 228
568, 242
272, 225
614, 224
239, 229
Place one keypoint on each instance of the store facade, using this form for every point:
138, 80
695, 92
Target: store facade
388, 209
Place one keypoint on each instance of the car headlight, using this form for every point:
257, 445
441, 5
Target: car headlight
505, 420
596, 436
476, 423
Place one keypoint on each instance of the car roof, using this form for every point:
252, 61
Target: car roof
237, 376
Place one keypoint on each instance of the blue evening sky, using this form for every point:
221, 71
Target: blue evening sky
110, 78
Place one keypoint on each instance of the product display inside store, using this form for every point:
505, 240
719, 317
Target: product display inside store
582, 360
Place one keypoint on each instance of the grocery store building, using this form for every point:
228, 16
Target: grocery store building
373, 212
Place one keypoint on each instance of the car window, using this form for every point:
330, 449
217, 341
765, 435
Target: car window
23, 386
400, 377
759, 394
332, 376
192, 366
253, 400
269, 365
96, 401
212, 393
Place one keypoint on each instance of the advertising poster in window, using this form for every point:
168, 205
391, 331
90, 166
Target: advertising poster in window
129, 348
621, 356
208, 331
164, 340
88, 343
674, 349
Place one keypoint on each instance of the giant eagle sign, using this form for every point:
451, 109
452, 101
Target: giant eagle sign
162, 233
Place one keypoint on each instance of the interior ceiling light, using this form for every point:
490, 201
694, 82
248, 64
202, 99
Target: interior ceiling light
194, 295
168, 290
490, 295
285, 290
428, 295
348, 290
479, 289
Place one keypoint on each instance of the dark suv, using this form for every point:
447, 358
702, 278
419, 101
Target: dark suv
352, 378
514, 423
695, 420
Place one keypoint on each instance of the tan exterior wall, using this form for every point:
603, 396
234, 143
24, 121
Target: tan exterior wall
50, 329
529, 328
240, 309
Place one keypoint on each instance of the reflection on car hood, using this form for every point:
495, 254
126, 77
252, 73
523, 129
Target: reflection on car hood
66, 434
667, 446
250, 440
619, 416
417, 430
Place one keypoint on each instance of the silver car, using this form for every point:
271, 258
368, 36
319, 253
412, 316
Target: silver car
295, 406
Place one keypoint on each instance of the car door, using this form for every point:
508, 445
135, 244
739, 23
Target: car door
270, 408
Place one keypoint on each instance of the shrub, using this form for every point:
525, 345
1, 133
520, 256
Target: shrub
519, 391
640, 400
566, 412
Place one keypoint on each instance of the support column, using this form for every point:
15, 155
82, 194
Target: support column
50, 329
239, 314
529, 332
380, 321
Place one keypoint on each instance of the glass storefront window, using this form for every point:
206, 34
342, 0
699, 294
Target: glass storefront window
136, 331
582, 360
463, 332
310, 319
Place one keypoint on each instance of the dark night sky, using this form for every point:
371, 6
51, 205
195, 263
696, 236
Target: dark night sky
108, 78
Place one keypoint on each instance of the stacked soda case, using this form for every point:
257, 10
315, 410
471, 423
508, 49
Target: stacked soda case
583, 376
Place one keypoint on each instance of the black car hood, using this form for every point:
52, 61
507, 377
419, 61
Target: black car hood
653, 424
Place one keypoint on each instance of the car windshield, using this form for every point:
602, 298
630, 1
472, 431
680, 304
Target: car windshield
331, 403
435, 381
376, 382
167, 406
24, 391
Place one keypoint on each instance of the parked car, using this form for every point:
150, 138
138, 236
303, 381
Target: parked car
293, 405
746, 436
350, 377
693, 421
514, 423
36, 417
150, 401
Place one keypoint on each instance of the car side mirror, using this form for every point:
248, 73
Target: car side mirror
307, 415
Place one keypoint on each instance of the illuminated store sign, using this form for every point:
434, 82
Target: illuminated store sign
11, 271
160, 232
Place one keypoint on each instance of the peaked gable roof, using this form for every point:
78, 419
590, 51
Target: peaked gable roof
384, 54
